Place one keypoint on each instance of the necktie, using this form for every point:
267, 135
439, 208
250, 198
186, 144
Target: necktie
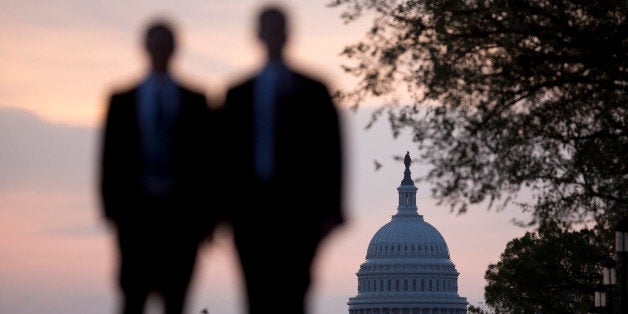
266, 95
161, 131
160, 116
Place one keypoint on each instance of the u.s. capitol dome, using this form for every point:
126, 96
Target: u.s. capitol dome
407, 269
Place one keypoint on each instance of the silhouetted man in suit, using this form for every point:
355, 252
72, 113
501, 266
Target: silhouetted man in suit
286, 174
155, 158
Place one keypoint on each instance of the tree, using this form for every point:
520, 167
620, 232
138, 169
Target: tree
551, 271
479, 309
505, 96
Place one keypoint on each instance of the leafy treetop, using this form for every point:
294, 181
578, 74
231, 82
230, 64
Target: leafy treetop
505, 96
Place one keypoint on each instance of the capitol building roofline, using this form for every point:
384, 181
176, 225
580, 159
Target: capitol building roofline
407, 268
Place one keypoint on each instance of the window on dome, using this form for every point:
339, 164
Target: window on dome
429, 283
422, 284
413, 284
368, 285
413, 247
405, 285
406, 248
389, 285
397, 285
437, 284
398, 247
392, 247
381, 285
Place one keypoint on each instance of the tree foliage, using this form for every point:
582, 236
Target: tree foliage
552, 271
478, 309
505, 96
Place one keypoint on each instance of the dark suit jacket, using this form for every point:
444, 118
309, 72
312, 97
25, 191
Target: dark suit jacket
120, 171
306, 190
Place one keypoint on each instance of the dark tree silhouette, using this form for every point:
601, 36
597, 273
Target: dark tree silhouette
549, 271
505, 96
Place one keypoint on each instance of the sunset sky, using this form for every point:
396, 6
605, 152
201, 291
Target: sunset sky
59, 61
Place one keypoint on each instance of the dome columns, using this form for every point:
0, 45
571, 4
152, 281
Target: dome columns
407, 200
407, 310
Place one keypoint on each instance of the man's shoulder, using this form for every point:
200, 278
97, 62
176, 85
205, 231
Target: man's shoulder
309, 80
125, 88
190, 88
240, 89
241, 84
307, 77
123, 93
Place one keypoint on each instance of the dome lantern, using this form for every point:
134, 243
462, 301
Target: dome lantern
407, 192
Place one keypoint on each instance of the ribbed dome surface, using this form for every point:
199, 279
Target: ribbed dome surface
407, 236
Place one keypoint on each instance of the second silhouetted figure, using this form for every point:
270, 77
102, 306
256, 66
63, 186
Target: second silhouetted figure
286, 179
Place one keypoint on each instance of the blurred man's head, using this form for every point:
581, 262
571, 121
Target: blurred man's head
272, 31
160, 44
